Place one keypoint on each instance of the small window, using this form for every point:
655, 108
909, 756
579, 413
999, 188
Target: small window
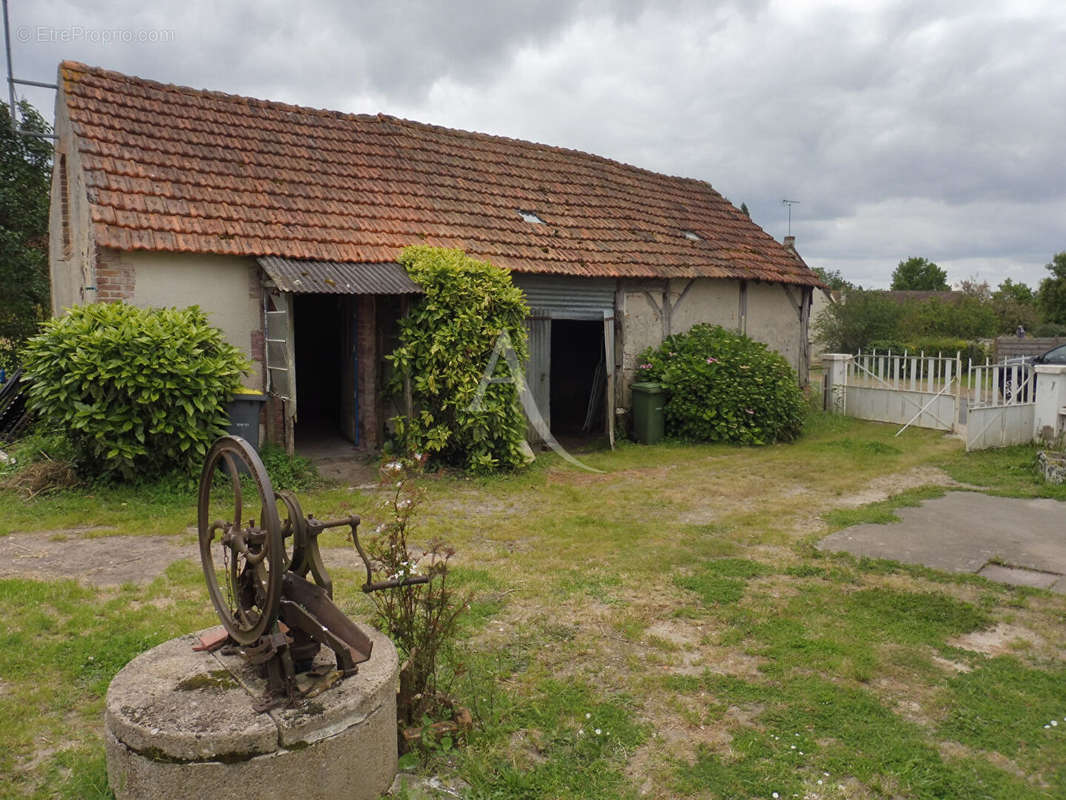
530, 216
693, 237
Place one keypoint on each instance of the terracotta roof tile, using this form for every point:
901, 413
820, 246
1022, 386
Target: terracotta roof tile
172, 168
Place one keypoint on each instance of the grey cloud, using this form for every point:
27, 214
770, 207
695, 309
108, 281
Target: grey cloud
913, 128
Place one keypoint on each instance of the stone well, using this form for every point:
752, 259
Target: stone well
181, 723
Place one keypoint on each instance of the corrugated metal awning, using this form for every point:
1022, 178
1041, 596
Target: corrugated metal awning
333, 277
563, 296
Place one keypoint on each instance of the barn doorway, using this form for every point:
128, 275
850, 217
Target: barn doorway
319, 335
578, 378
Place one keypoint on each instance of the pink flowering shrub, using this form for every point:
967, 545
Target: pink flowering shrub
724, 387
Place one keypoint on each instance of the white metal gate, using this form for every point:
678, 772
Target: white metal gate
1002, 405
906, 389
990, 405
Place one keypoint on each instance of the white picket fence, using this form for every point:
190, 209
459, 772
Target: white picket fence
991, 404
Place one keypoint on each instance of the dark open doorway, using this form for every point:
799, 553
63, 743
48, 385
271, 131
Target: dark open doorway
578, 377
319, 337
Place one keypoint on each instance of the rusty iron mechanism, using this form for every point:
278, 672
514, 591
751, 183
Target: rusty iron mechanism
257, 575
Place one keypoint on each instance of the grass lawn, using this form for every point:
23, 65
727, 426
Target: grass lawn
665, 629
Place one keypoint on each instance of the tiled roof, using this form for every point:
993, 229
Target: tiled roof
177, 169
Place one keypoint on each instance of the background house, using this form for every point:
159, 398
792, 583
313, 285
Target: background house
284, 224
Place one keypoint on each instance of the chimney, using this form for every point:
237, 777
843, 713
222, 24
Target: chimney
790, 243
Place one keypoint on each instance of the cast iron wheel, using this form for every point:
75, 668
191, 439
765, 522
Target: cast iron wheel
293, 533
305, 556
243, 563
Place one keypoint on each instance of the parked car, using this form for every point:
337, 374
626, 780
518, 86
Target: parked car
1056, 355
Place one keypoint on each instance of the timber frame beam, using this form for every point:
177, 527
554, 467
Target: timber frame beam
665, 309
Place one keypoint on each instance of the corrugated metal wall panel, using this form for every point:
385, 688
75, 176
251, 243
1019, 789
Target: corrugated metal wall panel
330, 277
538, 368
566, 297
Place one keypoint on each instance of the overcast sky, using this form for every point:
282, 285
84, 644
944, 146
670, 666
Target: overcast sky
923, 128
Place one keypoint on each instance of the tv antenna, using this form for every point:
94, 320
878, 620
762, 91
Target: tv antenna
788, 204
12, 80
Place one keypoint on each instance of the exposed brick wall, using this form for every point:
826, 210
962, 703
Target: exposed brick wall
274, 420
258, 346
115, 280
64, 205
367, 379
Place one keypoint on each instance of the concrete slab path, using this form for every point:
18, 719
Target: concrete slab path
1013, 540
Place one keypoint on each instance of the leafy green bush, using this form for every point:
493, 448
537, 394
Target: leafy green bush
862, 317
1049, 329
965, 318
293, 473
724, 387
138, 392
869, 318
931, 346
968, 350
894, 346
446, 343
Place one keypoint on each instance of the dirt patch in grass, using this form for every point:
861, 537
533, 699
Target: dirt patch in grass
348, 470
725, 661
955, 750
951, 667
801, 508
703, 515
886, 486
678, 633
686, 653
909, 700
100, 560
475, 503
570, 477
675, 741
96, 560
1003, 639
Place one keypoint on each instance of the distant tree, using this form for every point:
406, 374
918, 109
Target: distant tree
1052, 294
865, 316
979, 290
1018, 292
744, 209
919, 274
1015, 305
25, 177
833, 278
